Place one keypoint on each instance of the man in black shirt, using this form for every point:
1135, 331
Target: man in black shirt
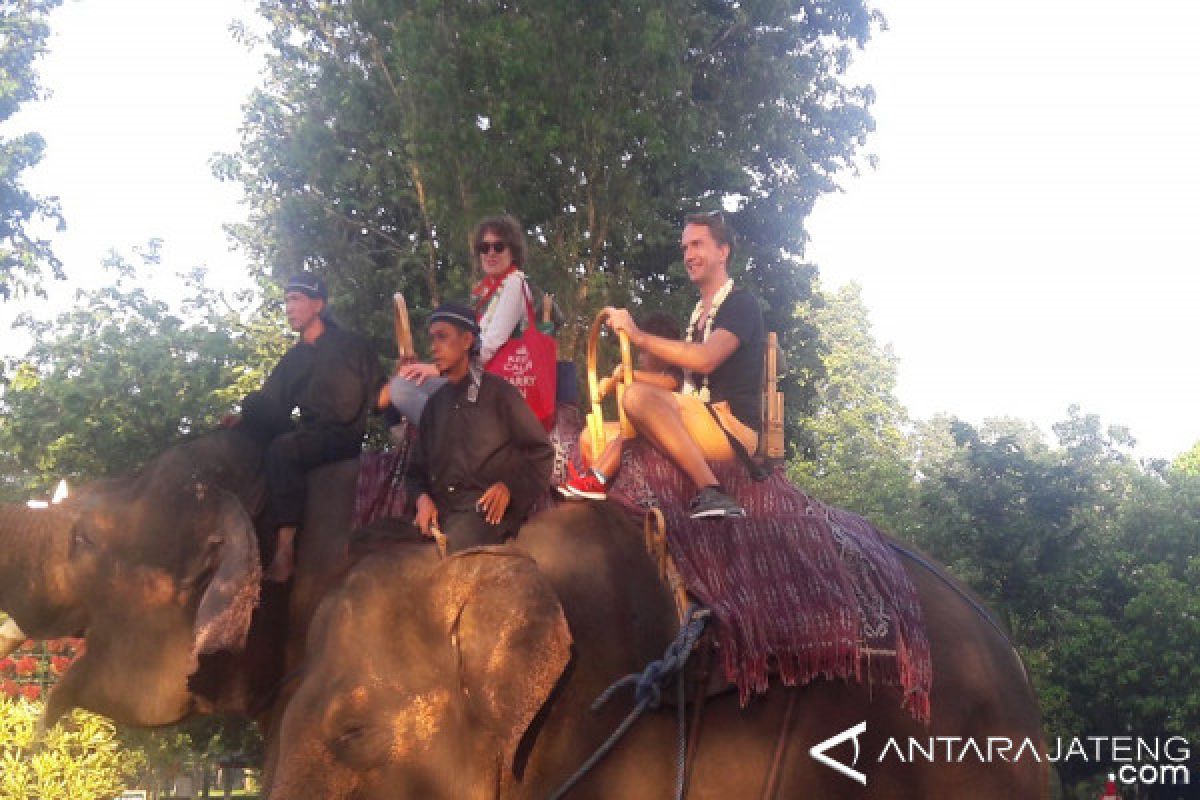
482, 458
334, 378
722, 355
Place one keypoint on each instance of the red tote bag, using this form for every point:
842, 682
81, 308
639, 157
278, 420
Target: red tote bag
530, 363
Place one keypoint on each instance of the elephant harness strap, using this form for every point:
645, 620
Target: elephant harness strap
655, 530
648, 687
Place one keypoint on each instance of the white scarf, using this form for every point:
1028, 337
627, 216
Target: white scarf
689, 385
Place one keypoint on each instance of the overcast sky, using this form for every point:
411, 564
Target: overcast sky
142, 94
1026, 243
1029, 239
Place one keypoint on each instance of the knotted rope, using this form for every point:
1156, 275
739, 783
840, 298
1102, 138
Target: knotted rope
648, 687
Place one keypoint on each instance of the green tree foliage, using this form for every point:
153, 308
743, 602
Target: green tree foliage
120, 376
859, 455
1091, 559
998, 510
196, 747
387, 127
1088, 556
24, 255
80, 759
1188, 463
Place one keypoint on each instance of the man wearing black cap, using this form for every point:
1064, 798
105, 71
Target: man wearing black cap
482, 458
332, 376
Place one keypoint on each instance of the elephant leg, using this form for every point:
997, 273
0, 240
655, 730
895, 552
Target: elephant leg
11, 637
466, 529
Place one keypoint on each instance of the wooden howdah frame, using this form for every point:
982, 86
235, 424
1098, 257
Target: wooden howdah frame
771, 444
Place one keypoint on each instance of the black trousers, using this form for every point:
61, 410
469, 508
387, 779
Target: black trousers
288, 459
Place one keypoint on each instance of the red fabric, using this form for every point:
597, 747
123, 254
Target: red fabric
487, 287
797, 586
530, 363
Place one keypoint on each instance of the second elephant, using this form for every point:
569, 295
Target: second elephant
473, 678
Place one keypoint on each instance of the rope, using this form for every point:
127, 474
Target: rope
681, 736
647, 691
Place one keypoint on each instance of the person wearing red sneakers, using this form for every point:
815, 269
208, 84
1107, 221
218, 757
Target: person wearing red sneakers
592, 483
717, 416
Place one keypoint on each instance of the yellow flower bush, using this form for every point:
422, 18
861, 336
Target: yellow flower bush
79, 759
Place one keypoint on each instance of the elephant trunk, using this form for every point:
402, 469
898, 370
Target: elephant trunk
32, 543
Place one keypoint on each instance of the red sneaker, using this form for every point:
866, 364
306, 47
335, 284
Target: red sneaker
587, 486
572, 476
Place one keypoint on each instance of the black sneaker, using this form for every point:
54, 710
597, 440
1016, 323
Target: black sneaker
711, 503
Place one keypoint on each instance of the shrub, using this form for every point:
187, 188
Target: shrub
79, 759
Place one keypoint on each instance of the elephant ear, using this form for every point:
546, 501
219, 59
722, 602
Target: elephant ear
230, 556
511, 635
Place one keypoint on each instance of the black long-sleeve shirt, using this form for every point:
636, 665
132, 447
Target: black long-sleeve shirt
333, 381
463, 448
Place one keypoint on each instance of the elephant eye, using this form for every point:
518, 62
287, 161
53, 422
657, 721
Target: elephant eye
361, 746
351, 733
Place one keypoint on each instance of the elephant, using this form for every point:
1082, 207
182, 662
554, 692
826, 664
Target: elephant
472, 677
160, 572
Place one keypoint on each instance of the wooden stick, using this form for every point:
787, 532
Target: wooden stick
403, 329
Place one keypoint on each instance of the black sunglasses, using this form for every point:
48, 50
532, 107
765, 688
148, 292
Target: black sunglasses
496, 247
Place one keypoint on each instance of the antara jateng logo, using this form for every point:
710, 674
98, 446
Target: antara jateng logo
1133, 759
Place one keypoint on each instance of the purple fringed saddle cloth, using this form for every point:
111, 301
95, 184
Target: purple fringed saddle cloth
797, 587
379, 493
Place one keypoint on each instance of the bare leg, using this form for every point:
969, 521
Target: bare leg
610, 460
654, 412
285, 555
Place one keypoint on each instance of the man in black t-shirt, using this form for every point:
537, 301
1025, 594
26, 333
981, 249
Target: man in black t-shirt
722, 356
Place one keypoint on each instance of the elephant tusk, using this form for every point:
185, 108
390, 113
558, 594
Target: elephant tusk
11, 638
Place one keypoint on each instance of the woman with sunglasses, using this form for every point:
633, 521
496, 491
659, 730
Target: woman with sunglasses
499, 301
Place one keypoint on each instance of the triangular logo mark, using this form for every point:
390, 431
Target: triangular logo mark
817, 751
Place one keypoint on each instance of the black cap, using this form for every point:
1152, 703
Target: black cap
309, 284
456, 314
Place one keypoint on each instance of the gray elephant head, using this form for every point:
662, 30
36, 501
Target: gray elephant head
153, 571
422, 677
